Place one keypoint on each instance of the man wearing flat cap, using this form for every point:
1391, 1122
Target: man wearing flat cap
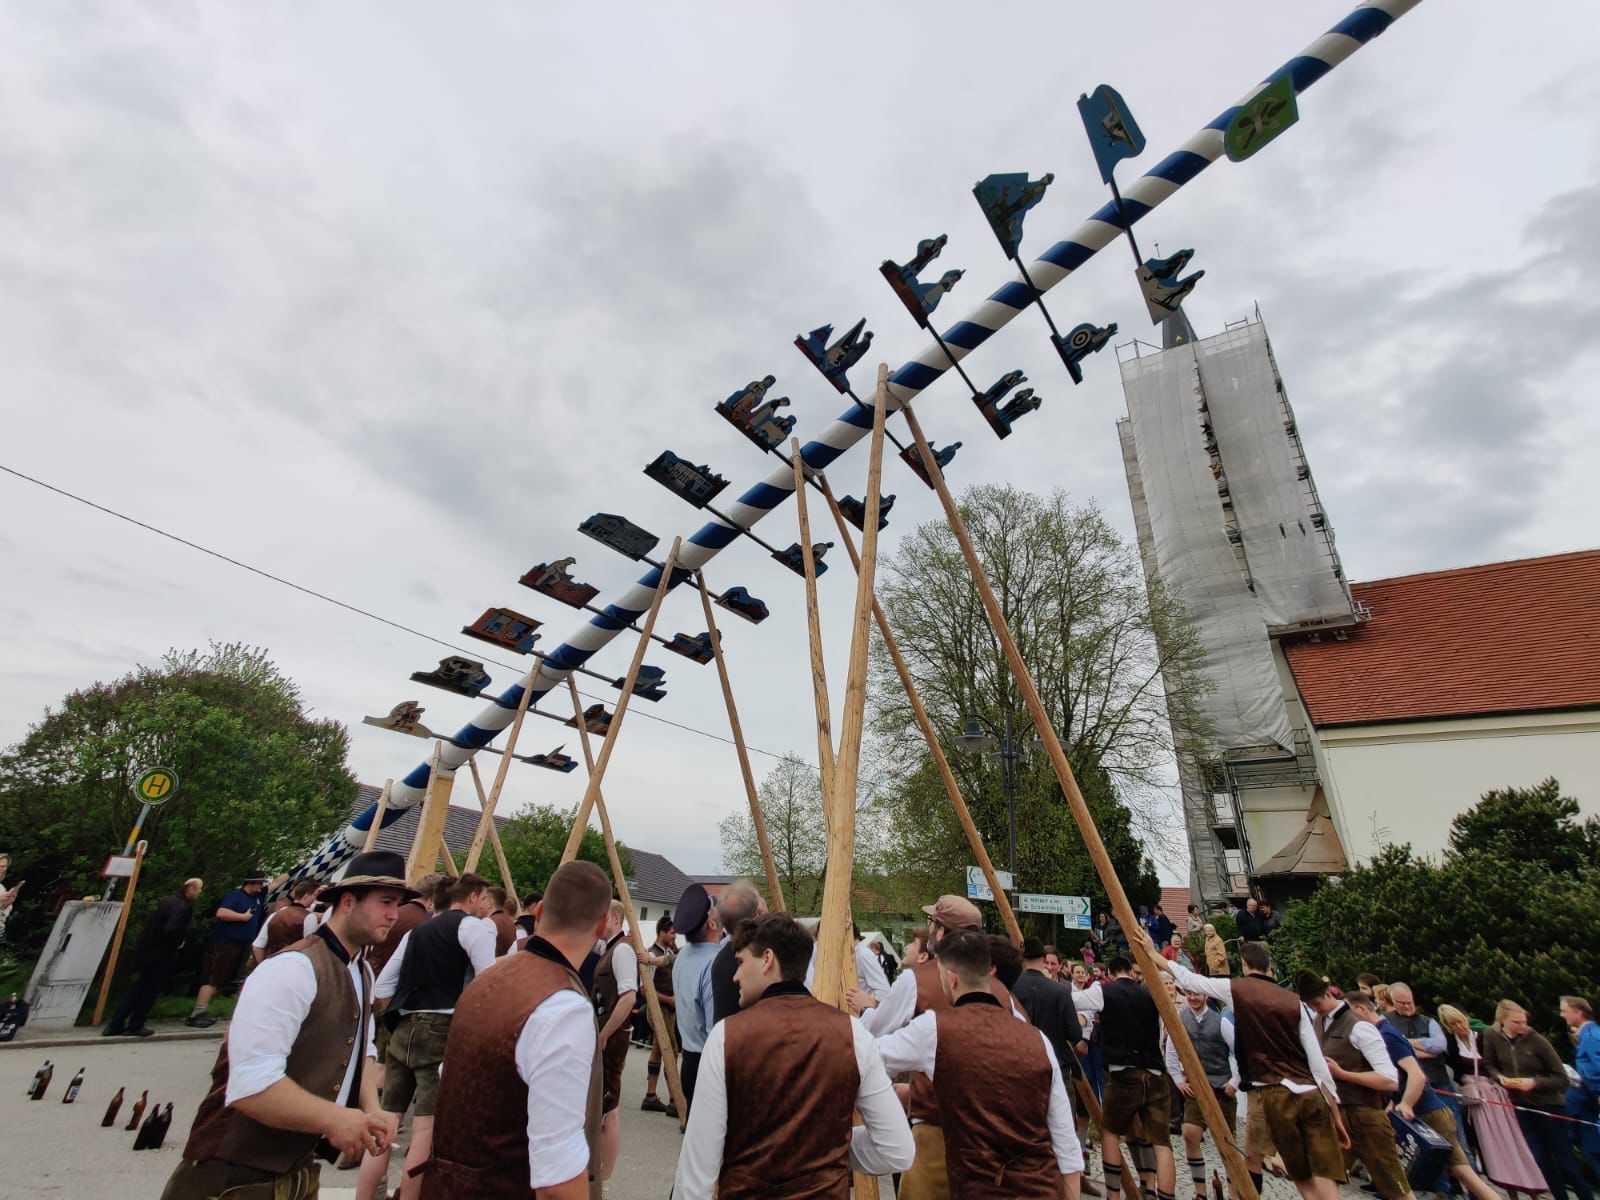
915, 992
691, 979
295, 1078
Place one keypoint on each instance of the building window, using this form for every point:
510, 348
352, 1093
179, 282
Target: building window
644, 914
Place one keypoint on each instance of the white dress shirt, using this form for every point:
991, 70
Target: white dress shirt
1369, 1041
625, 966
882, 1145
555, 1054
870, 975
1222, 990
895, 1010
475, 935
272, 1006
916, 1047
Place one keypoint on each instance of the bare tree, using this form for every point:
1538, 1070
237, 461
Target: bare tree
1099, 648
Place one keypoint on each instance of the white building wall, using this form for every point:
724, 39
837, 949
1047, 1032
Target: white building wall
1395, 783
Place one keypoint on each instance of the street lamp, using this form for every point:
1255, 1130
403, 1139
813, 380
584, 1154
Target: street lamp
1010, 752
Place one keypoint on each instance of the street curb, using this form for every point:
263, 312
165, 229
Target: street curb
95, 1039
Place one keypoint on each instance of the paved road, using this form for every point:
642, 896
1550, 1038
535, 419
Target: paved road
53, 1150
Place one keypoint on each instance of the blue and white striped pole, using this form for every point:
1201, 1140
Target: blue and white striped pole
1366, 22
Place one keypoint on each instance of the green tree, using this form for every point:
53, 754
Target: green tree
1479, 925
533, 841
1533, 825
1098, 644
261, 781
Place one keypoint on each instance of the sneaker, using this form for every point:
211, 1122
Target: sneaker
201, 1020
143, 1031
652, 1104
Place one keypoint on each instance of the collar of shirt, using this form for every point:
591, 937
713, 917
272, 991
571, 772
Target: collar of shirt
537, 945
334, 943
784, 987
978, 998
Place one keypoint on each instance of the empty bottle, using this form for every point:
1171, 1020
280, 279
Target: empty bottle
41, 1080
111, 1110
159, 1137
73, 1088
142, 1142
138, 1111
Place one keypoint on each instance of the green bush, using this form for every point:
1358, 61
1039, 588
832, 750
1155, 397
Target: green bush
1488, 922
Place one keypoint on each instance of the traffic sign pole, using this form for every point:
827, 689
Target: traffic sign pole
153, 787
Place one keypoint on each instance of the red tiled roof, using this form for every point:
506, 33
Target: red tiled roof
1519, 636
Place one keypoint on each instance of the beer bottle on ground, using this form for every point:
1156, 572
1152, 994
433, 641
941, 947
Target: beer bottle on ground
159, 1138
147, 1130
73, 1088
138, 1111
111, 1110
41, 1080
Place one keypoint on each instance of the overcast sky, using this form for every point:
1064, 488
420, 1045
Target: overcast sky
386, 298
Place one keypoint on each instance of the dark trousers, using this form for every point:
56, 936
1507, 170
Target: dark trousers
689, 1071
1551, 1143
142, 994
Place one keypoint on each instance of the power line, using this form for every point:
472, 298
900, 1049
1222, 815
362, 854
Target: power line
334, 600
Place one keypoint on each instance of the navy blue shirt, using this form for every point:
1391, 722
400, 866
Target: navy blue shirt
240, 900
1399, 1048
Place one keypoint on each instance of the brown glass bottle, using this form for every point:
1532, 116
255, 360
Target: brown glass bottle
138, 1111
73, 1088
110, 1118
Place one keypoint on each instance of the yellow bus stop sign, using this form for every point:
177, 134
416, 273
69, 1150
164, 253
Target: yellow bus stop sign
156, 786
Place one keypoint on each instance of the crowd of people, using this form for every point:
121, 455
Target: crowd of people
965, 1067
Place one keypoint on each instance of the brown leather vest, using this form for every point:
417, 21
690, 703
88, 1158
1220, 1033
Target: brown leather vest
792, 1081
284, 929
923, 1105
316, 1062
480, 1128
412, 914
604, 993
992, 1076
1266, 1026
1336, 1044
505, 931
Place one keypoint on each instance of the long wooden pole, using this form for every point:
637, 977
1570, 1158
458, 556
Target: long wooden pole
494, 834
596, 773
122, 929
486, 820
449, 859
1238, 1173
819, 671
377, 818
834, 938
652, 1000
952, 788
757, 818
430, 823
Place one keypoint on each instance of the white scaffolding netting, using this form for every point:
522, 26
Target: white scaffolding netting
1192, 555
1289, 556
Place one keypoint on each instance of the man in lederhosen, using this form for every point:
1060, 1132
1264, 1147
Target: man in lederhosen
294, 1076
616, 984
1006, 1121
519, 1096
778, 1082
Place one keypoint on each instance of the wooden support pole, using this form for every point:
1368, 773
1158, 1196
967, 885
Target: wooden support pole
494, 833
952, 789
598, 770
449, 859
1238, 1173
486, 821
652, 999
774, 886
122, 930
430, 822
819, 671
835, 943
377, 818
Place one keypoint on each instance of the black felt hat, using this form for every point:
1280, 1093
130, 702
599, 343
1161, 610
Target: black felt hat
374, 868
694, 906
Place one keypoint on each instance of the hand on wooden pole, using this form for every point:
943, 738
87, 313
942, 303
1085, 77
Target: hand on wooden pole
774, 886
1238, 1173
